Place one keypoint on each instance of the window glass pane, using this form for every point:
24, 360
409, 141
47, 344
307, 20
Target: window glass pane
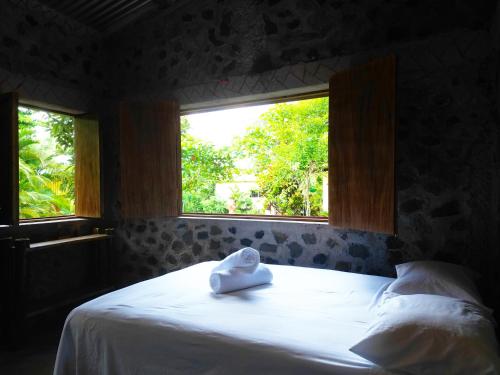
263, 160
46, 164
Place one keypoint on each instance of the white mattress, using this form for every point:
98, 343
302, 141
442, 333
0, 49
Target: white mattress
303, 323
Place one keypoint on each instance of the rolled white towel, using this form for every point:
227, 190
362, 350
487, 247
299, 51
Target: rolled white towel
224, 281
246, 259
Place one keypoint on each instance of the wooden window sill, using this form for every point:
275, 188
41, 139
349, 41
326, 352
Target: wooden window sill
68, 241
54, 220
264, 218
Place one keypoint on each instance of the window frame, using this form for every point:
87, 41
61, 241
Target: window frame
362, 191
48, 218
211, 107
47, 107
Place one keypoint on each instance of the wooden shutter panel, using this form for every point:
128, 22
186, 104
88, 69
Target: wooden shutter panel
87, 168
9, 163
362, 147
150, 159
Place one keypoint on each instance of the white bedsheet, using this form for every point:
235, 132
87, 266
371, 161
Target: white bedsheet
303, 323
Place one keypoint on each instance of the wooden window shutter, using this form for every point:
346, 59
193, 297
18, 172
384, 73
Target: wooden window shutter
9, 167
87, 168
150, 164
362, 147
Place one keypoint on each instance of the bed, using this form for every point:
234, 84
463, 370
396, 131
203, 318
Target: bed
303, 323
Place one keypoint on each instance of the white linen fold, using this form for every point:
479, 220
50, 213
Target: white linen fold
239, 270
236, 278
246, 259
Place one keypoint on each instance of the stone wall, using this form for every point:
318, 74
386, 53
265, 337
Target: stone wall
447, 134
153, 247
47, 57
55, 63
446, 180
212, 40
447, 158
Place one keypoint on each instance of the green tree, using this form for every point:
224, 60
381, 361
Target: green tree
62, 130
289, 146
203, 166
46, 184
242, 201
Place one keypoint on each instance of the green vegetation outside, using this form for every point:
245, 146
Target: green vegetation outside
46, 164
288, 148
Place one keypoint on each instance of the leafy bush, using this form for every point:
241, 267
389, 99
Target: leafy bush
46, 164
203, 166
289, 150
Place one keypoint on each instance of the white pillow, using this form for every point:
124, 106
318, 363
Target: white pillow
432, 277
429, 334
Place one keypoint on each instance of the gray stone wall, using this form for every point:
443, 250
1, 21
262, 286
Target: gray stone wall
56, 63
446, 176
153, 247
47, 57
447, 158
212, 40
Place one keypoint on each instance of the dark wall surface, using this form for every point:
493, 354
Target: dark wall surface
47, 57
211, 39
53, 62
447, 98
447, 159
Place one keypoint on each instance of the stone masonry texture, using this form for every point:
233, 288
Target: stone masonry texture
447, 171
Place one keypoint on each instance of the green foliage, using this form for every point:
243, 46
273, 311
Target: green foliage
290, 150
46, 180
62, 130
203, 166
242, 201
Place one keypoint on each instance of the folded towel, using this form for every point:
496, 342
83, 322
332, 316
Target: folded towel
246, 259
224, 281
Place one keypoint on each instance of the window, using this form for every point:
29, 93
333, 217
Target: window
269, 159
49, 163
167, 166
46, 164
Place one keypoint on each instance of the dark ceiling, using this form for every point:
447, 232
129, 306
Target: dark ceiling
108, 15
